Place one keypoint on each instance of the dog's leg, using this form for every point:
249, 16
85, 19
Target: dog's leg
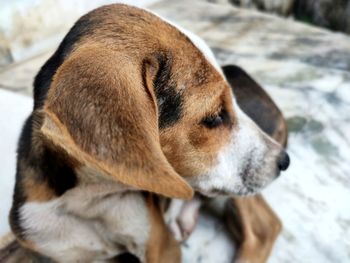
162, 246
254, 227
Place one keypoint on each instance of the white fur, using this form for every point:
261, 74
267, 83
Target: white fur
88, 223
245, 165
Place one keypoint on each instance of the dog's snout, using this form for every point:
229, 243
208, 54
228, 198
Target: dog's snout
283, 161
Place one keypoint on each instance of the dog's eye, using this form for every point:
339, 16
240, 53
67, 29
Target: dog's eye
213, 121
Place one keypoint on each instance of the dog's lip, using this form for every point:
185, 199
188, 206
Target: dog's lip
246, 190
217, 191
244, 174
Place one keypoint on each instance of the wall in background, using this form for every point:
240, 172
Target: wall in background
332, 14
30, 27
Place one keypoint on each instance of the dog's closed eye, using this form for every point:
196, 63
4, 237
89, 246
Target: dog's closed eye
215, 121
212, 121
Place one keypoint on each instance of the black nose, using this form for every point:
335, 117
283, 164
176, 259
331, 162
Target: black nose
283, 161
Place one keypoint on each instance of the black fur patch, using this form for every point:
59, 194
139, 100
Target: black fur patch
43, 79
127, 258
50, 167
58, 173
19, 196
168, 99
18, 200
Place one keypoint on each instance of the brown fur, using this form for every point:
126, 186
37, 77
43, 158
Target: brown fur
162, 247
191, 149
37, 191
121, 148
254, 227
106, 69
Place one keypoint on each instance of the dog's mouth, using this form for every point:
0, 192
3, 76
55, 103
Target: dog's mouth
250, 177
251, 188
245, 189
256, 179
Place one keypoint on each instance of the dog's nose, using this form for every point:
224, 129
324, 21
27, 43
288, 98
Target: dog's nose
283, 161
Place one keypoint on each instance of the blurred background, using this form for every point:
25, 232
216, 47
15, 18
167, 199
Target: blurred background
299, 50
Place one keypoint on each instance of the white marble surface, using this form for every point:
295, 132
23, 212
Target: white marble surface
306, 71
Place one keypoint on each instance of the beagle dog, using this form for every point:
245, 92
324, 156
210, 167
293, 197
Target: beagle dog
130, 109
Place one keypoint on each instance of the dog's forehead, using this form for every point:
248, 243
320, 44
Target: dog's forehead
203, 47
196, 40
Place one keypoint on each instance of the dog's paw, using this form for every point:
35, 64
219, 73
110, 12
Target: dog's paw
182, 217
176, 230
187, 219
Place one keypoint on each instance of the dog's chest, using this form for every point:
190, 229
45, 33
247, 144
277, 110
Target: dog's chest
93, 222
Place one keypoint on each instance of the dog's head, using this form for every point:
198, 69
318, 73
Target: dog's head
135, 99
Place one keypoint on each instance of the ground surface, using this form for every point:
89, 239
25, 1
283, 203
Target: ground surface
307, 72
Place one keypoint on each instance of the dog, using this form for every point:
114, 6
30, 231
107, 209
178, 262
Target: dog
252, 223
128, 110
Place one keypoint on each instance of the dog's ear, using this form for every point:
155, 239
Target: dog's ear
256, 103
101, 109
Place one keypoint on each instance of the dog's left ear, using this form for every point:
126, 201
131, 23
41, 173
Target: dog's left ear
256, 103
101, 110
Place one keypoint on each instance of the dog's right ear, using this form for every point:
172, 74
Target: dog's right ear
101, 109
